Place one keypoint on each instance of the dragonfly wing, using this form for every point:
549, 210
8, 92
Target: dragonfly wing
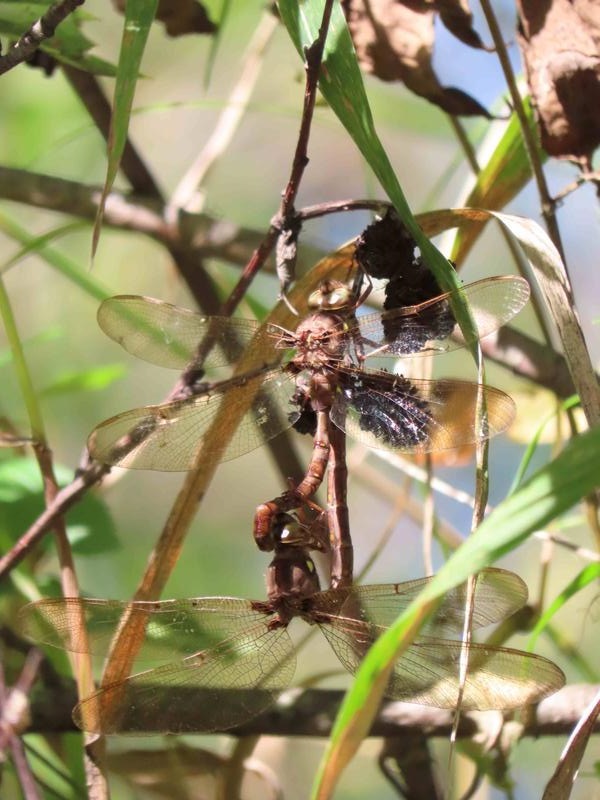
170, 336
427, 673
427, 328
210, 690
172, 437
498, 594
389, 412
497, 678
83, 625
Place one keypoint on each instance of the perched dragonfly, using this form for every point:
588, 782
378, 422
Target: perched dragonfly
238, 655
324, 368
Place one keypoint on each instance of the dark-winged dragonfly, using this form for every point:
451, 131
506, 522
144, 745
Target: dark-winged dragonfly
237, 655
323, 371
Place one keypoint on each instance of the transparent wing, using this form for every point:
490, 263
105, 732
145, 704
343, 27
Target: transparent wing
171, 437
498, 594
170, 336
211, 690
428, 672
389, 412
427, 328
172, 627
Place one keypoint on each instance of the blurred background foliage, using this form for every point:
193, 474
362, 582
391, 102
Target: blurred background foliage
82, 377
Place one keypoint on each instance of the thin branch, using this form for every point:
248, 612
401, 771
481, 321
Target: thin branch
314, 55
42, 29
312, 712
547, 206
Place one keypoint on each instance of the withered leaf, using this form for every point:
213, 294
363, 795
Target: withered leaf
179, 16
456, 16
560, 41
395, 42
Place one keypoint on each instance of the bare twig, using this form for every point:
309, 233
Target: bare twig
92, 96
314, 55
14, 708
42, 29
311, 712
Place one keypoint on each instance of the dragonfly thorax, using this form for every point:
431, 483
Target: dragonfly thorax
318, 341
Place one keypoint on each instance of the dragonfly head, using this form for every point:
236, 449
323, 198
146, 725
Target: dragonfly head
330, 296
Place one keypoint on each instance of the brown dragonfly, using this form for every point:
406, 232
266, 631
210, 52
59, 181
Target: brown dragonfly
323, 369
237, 655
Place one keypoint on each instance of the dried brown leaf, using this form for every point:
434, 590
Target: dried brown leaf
456, 16
395, 42
179, 16
560, 42
561, 783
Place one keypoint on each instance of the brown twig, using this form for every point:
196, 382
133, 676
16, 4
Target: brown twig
311, 712
14, 713
314, 55
42, 29
92, 96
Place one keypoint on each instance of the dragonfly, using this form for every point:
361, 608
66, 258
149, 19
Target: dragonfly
238, 656
324, 369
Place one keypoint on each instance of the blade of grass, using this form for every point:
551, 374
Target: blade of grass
570, 402
588, 575
68, 268
139, 15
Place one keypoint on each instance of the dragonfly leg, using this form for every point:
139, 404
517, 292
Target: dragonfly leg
269, 515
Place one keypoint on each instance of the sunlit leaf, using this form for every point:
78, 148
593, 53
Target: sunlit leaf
505, 172
588, 575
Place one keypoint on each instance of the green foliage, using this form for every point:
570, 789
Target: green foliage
90, 527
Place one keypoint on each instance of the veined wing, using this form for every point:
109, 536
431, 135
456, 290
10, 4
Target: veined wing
426, 328
427, 673
498, 594
389, 412
175, 337
171, 627
172, 436
213, 689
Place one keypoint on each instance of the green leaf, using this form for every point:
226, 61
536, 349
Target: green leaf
89, 380
53, 772
570, 402
139, 15
552, 490
588, 574
65, 266
84, 62
89, 525
505, 173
